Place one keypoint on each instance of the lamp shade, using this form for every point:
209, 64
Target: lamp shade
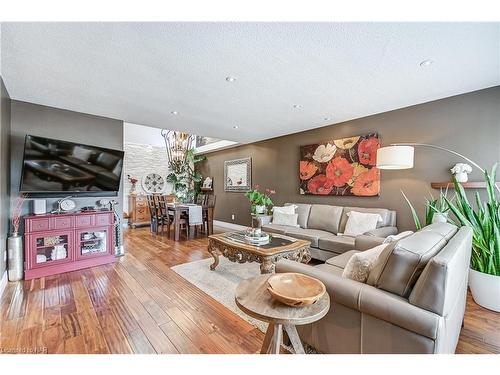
395, 157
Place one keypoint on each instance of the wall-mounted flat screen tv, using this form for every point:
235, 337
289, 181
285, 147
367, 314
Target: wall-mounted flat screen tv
54, 166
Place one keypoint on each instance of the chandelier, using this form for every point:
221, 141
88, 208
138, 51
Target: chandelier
178, 144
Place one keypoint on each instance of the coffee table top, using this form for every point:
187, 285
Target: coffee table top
253, 298
278, 243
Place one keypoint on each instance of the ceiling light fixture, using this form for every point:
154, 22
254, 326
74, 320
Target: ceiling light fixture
174, 113
235, 127
297, 106
230, 79
426, 63
327, 119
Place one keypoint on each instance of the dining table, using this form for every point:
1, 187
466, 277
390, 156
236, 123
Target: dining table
178, 209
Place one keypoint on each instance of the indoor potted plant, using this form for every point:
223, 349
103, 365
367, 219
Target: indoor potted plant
261, 202
436, 210
484, 220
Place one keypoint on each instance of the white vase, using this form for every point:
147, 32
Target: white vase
15, 258
260, 209
461, 177
485, 289
440, 217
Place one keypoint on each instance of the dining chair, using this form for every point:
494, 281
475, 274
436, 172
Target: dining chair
209, 203
153, 211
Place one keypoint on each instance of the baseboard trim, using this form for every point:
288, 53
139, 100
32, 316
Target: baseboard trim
3, 282
225, 224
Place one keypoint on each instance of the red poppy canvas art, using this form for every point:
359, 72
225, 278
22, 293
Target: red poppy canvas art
342, 167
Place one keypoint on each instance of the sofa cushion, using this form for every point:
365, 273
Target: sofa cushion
276, 228
303, 210
337, 244
342, 259
447, 230
320, 254
402, 262
325, 217
384, 213
330, 269
312, 235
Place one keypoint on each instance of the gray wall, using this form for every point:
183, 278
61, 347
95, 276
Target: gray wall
469, 124
27, 118
4, 173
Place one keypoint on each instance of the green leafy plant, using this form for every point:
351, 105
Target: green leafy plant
432, 206
258, 198
484, 220
186, 180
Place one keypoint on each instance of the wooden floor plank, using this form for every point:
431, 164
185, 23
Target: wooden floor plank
139, 305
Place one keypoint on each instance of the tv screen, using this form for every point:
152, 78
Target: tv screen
54, 166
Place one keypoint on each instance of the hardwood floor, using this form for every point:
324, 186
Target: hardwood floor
139, 305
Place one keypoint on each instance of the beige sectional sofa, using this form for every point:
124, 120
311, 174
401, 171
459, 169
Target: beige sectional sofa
320, 223
413, 302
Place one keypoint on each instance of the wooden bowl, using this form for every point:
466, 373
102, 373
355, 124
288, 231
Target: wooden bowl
295, 289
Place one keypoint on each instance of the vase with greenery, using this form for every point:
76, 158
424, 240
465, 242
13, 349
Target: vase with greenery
261, 203
185, 179
484, 220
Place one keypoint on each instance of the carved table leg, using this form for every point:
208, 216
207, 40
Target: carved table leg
215, 254
267, 266
306, 257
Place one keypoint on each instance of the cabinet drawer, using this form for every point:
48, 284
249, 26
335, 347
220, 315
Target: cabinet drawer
141, 211
142, 218
84, 221
38, 225
61, 223
142, 204
103, 219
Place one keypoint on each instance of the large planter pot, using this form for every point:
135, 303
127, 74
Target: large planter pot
260, 209
485, 289
15, 262
440, 217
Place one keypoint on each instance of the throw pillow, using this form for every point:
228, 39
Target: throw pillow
397, 237
285, 209
360, 222
360, 264
285, 219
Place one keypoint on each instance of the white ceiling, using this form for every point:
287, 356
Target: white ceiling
140, 72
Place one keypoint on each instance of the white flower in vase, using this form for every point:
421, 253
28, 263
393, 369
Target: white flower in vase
461, 171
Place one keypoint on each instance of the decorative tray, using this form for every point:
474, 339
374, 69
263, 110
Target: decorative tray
261, 239
295, 289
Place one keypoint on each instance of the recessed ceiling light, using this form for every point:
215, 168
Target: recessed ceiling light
174, 113
426, 63
230, 79
297, 106
327, 119
235, 127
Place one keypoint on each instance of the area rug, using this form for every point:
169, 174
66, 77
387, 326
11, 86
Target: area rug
221, 283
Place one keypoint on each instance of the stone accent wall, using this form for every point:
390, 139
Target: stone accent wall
139, 161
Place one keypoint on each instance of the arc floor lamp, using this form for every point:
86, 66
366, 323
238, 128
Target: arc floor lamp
400, 156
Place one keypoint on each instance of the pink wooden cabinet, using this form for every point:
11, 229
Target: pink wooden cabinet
66, 242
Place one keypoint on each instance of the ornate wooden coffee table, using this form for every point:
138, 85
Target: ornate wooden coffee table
253, 298
279, 247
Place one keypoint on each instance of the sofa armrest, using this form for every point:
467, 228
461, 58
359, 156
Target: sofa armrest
344, 291
382, 232
398, 311
364, 242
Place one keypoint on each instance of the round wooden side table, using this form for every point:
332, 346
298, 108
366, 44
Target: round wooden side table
253, 299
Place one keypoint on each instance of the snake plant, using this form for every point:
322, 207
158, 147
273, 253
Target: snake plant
484, 220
